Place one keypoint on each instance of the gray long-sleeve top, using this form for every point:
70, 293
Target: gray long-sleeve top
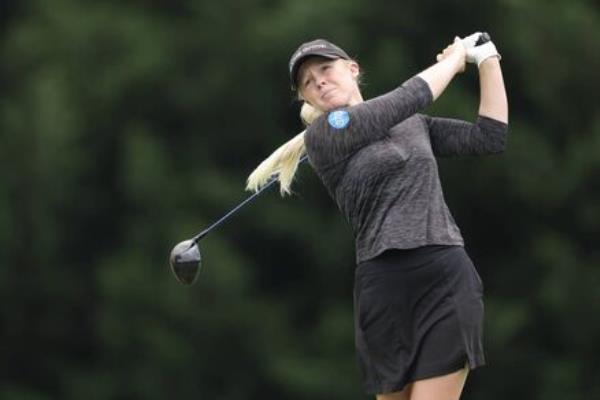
377, 161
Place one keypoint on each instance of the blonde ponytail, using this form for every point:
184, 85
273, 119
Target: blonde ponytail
308, 114
283, 163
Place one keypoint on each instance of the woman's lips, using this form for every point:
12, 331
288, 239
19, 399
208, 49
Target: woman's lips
327, 94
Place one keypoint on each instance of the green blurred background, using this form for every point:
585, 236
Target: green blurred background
128, 126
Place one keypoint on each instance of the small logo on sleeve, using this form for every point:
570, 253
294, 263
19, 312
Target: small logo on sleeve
339, 119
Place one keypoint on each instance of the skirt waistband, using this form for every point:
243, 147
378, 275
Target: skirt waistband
404, 258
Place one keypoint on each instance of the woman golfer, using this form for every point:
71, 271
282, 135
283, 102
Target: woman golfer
418, 305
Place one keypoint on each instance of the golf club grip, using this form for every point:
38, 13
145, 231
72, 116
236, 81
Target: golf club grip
483, 38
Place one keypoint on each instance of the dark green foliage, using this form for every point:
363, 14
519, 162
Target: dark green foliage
126, 127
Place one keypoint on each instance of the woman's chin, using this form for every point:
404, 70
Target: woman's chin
333, 104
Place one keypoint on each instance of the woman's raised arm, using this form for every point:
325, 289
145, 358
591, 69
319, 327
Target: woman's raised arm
493, 102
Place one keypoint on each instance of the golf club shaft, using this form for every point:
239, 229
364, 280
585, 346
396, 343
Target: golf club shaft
269, 183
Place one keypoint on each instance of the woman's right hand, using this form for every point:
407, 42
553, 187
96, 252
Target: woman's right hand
457, 52
451, 61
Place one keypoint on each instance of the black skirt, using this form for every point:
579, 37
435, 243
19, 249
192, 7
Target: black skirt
417, 314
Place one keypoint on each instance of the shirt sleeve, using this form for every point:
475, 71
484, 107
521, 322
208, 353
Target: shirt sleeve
452, 137
329, 141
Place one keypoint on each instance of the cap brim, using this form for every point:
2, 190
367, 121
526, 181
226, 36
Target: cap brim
298, 63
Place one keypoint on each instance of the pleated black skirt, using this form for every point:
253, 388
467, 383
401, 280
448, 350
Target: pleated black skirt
418, 314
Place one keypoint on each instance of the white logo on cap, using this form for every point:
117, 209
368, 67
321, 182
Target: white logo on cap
305, 50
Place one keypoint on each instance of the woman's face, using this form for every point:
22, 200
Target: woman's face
328, 84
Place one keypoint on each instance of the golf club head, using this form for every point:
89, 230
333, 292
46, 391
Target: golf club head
185, 261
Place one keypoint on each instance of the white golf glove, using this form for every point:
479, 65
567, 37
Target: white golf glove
471, 40
479, 54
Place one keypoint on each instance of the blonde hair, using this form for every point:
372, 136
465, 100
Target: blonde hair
283, 163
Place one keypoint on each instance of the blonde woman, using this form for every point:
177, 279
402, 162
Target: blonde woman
417, 296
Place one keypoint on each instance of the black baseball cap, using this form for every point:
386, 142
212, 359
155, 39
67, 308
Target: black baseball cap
318, 47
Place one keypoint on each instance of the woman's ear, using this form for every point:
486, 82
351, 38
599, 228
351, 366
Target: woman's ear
354, 69
302, 99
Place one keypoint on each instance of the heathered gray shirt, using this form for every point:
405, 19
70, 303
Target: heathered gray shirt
377, 161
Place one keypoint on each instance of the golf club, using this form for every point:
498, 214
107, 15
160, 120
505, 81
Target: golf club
483, 38
185, 257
